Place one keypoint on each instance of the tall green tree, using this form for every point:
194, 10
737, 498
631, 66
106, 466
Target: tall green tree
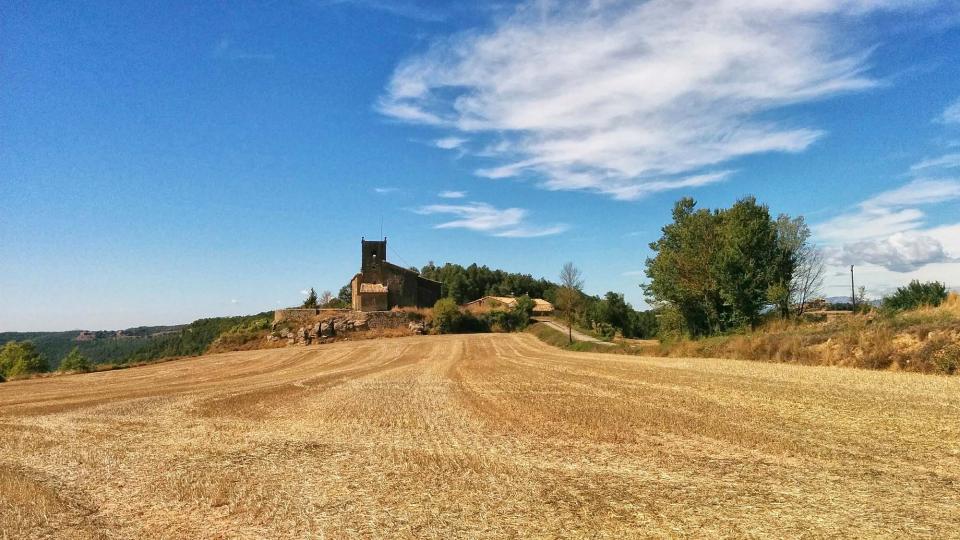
719, 269
570, 296
752, 261
684, 269
311, 301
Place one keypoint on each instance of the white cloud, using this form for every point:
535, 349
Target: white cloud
888, 231
900, 252
452, 194
947, 161
629, 98
951, 115
920, 191
234, 301
449, 143
485, 218
385, 190
305, 292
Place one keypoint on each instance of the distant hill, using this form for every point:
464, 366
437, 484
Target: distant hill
134, 344
845, 301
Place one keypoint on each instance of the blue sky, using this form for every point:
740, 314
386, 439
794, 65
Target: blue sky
164, 162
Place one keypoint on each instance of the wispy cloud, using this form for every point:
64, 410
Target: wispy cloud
226, 49
385, 190
951, 115
889, 230
634, 273
630, 98
485, 218
452, 194
407, 9
947, 161
449, 143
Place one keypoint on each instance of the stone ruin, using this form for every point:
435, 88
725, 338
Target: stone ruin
311, 326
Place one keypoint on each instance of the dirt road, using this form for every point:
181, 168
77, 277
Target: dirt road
577, 335
482, 435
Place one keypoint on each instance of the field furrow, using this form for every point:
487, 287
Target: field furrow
489, 435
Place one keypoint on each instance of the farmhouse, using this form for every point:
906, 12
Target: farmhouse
540, 306
380, 285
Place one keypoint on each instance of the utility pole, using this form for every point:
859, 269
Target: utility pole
853, 291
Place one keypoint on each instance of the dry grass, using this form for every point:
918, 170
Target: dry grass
925, 340
485, 435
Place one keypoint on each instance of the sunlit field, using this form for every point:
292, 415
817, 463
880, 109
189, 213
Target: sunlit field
494, 435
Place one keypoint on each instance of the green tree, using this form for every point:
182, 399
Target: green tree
311, 301
917, 294
683, 270
570, 296
75, 361
21, 358
719, 269
345, 295
751, 261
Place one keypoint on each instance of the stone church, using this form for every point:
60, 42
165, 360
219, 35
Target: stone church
381, 286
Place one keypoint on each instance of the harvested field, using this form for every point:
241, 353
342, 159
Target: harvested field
481, 435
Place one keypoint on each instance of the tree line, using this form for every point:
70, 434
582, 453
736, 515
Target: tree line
717, 270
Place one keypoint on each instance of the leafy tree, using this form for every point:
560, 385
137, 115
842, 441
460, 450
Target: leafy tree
917, 294
719, 269
751, 261
683, 271
793, 236
76, 362
570, 296
311, 301
644, 324
18, 358
465, 284
345, 295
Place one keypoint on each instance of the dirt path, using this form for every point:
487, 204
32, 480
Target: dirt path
478, 436
577, 335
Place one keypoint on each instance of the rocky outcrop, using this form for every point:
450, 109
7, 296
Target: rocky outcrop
330, 325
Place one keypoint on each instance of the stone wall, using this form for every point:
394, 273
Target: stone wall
306, 315
306, 326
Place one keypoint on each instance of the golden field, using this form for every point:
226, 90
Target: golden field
493, 435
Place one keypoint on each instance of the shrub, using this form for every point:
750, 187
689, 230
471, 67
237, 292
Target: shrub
947, 359
76, 362
916, 294
21, 358
446, 316
336, 303
515, 319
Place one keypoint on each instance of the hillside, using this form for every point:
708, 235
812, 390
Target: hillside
484, 435
137, 344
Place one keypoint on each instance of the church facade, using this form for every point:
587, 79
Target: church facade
382, 286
